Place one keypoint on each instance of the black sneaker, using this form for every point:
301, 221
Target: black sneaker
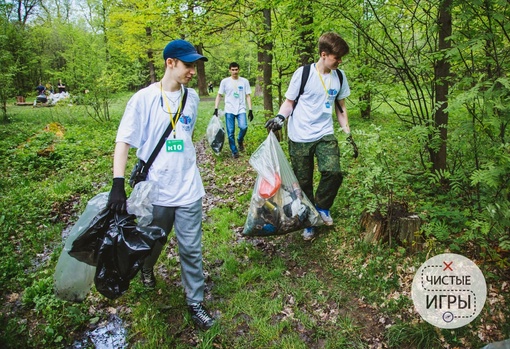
201, 316
235, 155
241, 146
148, 278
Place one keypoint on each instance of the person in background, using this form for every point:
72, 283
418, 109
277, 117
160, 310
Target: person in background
41, 95
61, 87
210, 87
49, 87
237, 92
310, 125
180, 188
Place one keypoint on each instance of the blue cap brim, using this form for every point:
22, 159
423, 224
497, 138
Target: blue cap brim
192, 57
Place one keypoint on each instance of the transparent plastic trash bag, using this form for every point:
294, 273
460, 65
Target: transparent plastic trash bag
73, 278
215, 134
278, 205
140, 201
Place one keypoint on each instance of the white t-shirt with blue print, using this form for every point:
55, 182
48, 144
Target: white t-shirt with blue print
144, 121
312, 119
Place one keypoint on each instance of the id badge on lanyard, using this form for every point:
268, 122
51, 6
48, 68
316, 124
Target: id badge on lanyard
174, 145
327, 108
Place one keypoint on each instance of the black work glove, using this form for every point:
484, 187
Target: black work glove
117, 198
354, 146
250, 115
215, 112
275, 123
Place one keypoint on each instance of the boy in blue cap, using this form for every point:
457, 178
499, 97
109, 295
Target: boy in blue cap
179, 202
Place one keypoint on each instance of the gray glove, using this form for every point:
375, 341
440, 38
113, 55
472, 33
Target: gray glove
275, 123
354, 146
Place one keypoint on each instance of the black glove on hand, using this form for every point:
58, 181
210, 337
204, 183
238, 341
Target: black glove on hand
250, 115
117, 198
275, 123
354, 146
215, 112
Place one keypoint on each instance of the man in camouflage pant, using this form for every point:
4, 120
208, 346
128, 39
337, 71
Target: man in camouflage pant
310, 125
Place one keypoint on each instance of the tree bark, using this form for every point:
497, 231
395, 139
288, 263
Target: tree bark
201, 78
442, 74
150, 55
265, 58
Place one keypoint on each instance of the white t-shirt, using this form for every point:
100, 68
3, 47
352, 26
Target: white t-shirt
312, 117
235, 92
144, 121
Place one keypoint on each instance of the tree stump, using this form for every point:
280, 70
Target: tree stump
396, 226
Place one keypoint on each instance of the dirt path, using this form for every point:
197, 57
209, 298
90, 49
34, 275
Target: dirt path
371, 324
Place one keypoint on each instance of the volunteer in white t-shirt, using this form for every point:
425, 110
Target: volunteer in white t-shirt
180, 188
237, 92
310, 125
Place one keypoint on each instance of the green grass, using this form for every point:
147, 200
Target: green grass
273, 292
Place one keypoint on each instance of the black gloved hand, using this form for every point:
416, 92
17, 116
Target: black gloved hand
215, 112
250, 115
354, 146
275, 123
117, 198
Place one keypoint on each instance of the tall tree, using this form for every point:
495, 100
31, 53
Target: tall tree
441, 83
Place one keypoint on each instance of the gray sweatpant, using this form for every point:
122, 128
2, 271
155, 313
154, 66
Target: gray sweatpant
187, 221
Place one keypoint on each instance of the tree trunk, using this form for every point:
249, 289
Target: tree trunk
307, 37
150, 56
265, 62
201, 78
442, 74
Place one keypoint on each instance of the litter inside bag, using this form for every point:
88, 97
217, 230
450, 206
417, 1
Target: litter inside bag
277, 206
123, 249
215, 134
73, 278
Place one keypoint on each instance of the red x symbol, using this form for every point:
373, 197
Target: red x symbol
448, 266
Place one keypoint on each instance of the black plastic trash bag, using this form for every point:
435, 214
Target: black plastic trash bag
123, 249
86, 244
215, 134
277, 206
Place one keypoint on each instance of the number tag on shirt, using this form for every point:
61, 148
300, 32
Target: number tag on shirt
174, 145
326, 109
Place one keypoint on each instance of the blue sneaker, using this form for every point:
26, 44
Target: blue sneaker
309, 234
326, 217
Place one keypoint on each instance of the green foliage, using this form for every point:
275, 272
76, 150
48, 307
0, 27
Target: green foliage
380, 179
419, 336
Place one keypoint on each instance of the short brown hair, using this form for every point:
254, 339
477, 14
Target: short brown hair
332, 43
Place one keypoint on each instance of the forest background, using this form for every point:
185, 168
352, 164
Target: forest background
429, 93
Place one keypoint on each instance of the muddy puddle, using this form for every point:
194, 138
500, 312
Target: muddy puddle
108, 335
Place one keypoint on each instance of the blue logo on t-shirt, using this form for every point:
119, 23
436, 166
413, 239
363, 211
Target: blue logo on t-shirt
186, 120
185, 123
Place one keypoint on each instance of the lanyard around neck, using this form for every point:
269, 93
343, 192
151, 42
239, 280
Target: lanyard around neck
173, 120
322, 81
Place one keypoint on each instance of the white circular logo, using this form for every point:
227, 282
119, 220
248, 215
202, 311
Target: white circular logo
449, 291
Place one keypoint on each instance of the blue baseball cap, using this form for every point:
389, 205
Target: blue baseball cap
182, 50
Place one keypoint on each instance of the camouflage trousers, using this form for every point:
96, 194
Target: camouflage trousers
302, 157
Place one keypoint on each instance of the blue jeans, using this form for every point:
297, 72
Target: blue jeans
243, 127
